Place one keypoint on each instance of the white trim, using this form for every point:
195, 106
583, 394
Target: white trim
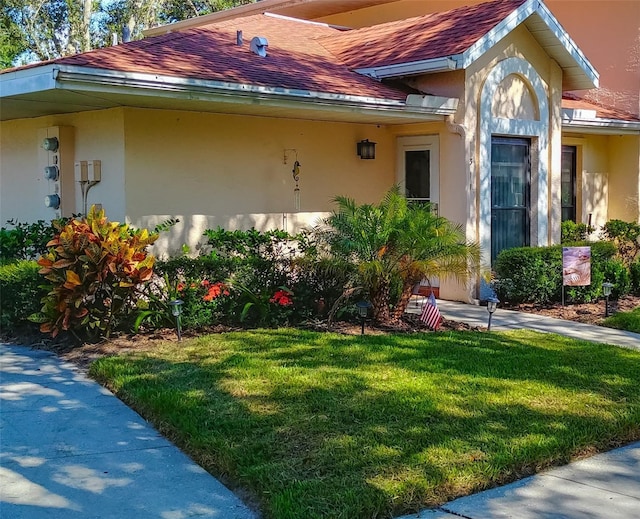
412, 68
539, 129
430, 143
101, 81
587, 122
517, 17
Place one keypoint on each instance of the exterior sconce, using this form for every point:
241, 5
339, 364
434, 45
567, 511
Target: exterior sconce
366, 149
363, 311
176, 311
492, 305
606, 290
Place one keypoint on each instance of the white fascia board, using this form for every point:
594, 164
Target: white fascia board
27, 81
106, 81
514, 20
436, 104
412, 68
603, 126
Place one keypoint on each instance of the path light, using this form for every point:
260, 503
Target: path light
492, 305
176, 310
606, 290
363, 311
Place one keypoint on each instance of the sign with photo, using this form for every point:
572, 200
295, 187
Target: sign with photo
576, 266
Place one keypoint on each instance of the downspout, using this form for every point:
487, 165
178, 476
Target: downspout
461, 130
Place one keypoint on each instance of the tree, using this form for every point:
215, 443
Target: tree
12, 41
48, 29
396, 243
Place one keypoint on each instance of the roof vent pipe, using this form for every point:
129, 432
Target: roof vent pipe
239, 40
259, 46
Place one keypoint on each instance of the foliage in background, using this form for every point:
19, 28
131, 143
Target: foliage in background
20, 292
55, 28
94, 268
572, 232
534, 274
26, 240
634, 274
396, 243
626, 237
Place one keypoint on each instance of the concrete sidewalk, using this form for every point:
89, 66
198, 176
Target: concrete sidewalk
509, 320
605, 486
70, 449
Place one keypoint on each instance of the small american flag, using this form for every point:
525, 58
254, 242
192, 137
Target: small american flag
430, 314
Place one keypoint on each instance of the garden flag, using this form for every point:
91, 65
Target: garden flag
430, 314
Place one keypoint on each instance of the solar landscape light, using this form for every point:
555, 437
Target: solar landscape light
363, 311
492, 305
176, 311
606, 290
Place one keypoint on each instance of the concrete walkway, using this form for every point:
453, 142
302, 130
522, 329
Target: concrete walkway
509, 320
70, 449
606, 486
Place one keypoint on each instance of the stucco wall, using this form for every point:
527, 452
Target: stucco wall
98, 135
605, 30
624, 177
213, 170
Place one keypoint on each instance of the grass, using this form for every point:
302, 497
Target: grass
322, 425
629, 321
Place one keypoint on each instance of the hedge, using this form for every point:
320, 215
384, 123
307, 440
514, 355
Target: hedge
20, 291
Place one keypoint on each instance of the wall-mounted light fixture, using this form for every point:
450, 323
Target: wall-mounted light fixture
366, 149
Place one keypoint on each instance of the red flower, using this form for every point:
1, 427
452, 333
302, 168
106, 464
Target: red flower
215, 290
282, 298
180, 287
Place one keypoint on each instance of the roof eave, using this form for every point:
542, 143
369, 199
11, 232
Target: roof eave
601, 126
587, 79
99, 81
414, 68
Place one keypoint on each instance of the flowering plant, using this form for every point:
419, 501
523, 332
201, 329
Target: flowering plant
282, 297
205, 303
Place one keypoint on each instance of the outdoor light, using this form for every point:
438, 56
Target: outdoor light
366, 149
363, 311
606, 290
492, 304
176, 310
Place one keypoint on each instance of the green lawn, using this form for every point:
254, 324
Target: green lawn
629, 321
322, 425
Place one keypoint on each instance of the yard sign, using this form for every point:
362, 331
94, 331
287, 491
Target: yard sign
576, 266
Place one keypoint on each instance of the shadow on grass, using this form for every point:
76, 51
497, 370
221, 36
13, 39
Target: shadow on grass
319, 425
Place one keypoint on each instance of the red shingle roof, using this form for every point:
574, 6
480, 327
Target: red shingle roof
574, 102
295, 59
434, 35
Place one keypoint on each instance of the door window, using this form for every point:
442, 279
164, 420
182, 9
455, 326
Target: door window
510, 193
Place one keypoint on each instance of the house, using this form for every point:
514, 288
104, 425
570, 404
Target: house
473, 109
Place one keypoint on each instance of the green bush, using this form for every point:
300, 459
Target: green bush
626, 237
617, 273
534, 274
572, 232
634, 274
20, 292
25, 240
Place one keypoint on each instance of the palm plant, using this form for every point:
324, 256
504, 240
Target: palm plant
396, 241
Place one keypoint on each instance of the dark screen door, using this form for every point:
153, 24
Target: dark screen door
510, 193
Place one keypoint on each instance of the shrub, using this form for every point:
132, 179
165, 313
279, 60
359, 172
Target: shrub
94, 267
21, 294
617, 273
634, 274
26, 240
626, 237
534, 274
572, 232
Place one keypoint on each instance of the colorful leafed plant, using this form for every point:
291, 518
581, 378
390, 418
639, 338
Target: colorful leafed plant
93, 266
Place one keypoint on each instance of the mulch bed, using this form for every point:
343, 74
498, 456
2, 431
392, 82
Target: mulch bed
82, 355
